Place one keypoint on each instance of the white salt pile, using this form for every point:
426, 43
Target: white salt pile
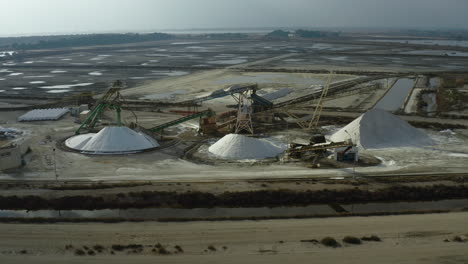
235, 146
381, 129
112, 140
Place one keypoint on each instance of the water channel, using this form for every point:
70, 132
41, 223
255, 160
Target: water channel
396, 96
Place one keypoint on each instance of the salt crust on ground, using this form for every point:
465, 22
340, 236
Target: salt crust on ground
381, 129
235, 146
112, 139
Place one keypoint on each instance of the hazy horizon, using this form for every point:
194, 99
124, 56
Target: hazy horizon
33, 17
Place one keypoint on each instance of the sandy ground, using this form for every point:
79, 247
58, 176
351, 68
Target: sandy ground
406, 239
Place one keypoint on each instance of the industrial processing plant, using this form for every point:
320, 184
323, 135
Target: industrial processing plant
322, 146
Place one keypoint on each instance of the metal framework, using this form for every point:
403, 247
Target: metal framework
323, 146
244, 114
112, 99
161, 127
318, 110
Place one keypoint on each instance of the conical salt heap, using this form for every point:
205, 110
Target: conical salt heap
235, 146
381, 129
112, 140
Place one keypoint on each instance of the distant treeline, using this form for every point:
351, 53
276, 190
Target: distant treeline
226, 36
461, 34
88, 40
277, 34
315, 34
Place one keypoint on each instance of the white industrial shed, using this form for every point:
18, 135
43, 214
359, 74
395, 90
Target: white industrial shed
43, 114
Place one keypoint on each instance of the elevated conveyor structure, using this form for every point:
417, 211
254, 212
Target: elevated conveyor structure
112, 99
222, 93
322, 146
335, 88
260, 100
161, 127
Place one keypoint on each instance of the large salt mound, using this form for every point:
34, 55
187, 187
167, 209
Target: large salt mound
380, 129
112, 140
235, 146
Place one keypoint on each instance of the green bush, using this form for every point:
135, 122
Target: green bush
178, 248
80, 252
163, 251
118, 247
371, 238
352, 240
212, 248
330, 242
98, 248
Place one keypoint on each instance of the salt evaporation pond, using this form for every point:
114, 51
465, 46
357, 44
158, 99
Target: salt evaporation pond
339, 58
58, 91
434, 83
66, 86
460, 43
293, 60
271, 78
95, 73
395, 98
164, 96
37, 76
170, 73
184, 43
230, 62
7, 53
437, 53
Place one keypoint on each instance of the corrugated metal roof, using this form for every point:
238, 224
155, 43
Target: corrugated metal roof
43, 114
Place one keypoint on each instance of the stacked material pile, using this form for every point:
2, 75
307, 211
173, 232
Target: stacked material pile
235, 146
43, 114
112, 140
381, 129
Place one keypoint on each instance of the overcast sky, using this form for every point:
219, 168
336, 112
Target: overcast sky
19, 17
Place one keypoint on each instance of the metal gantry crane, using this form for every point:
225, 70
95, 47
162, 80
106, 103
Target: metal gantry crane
313, 124
315, 117
244, 115
112, 99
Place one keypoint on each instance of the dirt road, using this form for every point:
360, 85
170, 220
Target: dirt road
405, 239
